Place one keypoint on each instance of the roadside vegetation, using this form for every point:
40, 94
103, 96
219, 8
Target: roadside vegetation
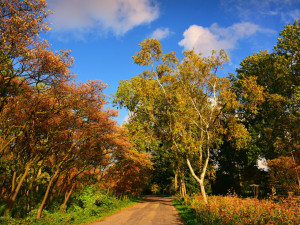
234, 210
88, 205
185, 212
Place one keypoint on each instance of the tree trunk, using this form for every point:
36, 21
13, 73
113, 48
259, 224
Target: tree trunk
202, 188
201, 179
12, 199
13, 183
175, 181
46, 195
4, 146
182, 187
67, 196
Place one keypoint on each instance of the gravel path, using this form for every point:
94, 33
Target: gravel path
151, 211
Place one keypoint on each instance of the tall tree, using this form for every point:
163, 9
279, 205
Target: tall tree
274, 122
188, 102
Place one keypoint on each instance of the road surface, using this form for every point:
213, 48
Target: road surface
151, 211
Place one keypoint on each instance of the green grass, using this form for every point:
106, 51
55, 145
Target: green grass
76, 215
113, 211
186, 213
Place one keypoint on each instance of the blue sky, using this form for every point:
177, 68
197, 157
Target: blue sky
103, 35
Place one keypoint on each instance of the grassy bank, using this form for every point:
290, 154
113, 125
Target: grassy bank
85, 207
186, 212
235, 210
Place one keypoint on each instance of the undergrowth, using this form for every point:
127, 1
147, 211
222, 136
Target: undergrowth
86, 206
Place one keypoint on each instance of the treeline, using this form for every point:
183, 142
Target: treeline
56, 136
206, 131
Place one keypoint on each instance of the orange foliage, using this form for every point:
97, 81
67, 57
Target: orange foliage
131, 172
234, 210
283, 175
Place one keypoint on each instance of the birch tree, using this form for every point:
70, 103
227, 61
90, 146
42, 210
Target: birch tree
193, 102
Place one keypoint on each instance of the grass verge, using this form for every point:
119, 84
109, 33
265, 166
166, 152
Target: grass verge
111, 212
185, 212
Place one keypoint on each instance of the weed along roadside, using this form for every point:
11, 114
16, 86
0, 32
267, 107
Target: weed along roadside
234, 210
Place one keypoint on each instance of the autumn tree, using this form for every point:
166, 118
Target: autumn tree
27, 69
48, 125
131, 172
284, 175
67, 129
149, 123
55, 135
186, 100
24, 56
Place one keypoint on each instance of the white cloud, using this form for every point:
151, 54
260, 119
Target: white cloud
206, 39
118, 16
160, 34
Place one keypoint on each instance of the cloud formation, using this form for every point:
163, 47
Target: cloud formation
205, 40
160, 33
117, 16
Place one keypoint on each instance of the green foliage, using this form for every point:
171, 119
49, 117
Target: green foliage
88, 205
163, 173
275, 125
186, 213
267, 84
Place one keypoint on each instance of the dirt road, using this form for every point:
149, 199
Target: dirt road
151, 211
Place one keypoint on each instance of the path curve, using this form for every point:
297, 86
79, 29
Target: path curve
150, 211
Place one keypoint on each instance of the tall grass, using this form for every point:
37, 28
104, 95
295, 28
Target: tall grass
235, 210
